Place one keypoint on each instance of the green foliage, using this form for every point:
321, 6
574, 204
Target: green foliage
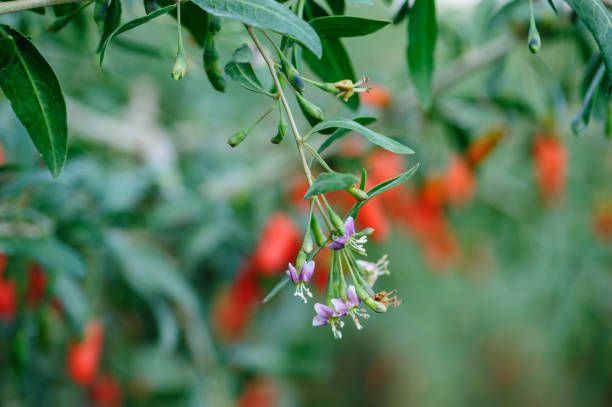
330, 181
36, 98
346, 26
422, 36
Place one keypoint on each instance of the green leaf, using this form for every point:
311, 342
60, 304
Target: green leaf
334, 65
336, 6
363, 2
31, 86
283, 282
338, 134
346, 26
372, 136
112, 19
392, 183
130, 25
422, 35
50, 253
240, 70
596, 17
266, 14
330, 181
552, 5
581, 120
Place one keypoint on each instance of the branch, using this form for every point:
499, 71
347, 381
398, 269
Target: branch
21, 5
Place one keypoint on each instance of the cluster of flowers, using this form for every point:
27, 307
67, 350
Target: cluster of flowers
343, 299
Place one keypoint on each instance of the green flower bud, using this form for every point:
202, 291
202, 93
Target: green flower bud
366, 231
238, 137
336, 220
307, 245
312, 112
180, 67
214, 24
317, 232
376, 306
533, 41
300, 260
282, 130
291, 73
357, 193
212, 65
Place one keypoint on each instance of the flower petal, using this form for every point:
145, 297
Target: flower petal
292, 273
323, 310
339, 306
307, 271
349, 227
338, 243
319, 321
352, 296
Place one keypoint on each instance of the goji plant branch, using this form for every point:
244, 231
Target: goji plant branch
294, 129
8, 7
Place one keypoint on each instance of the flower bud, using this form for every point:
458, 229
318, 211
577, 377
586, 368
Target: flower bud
533, 42
336, 220
307, 245
312, 112
214, 24
375, 305
282, 130
366, 231
357, 193
326, 87
293, 76
180, 67
317, 232
212, 65
238, 137
300, 260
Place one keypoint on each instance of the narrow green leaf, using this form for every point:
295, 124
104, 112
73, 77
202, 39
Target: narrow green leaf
336, 6
330, 181
422, 35
372, 136
552, 5
596, 17
112, 19
392, 183
239, 68
266, 14
346, 26
31, 86
242, 54
283, 282
581, 120
338, 134
130, 25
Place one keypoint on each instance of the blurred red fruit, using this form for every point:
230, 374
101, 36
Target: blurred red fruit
8, 299
278, 245
106, 391
37, 285
459, 182
550, 163
259, 393
378, 96
381, 166
602, 223
84, 356
480, 148
233, 307
2, 155
372, 215
2, 263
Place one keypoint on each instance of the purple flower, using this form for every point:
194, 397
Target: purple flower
328, 316
349, 231
352, 306
301, 279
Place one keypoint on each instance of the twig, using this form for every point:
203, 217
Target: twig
14, 6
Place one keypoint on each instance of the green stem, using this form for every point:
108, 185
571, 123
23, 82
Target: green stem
21, 5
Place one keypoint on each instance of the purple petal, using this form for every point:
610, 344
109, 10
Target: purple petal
319, 321
323, 310
292, 273
352, 296
307, 271
349, 227
338, 243
339, 306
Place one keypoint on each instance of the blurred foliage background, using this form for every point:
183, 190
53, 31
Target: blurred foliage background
160, 242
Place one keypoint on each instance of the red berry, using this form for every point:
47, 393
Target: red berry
37, 285
259, 393
277, 246
8, 299
459, 182
106, 391
550, 159
84, 356
378, 96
